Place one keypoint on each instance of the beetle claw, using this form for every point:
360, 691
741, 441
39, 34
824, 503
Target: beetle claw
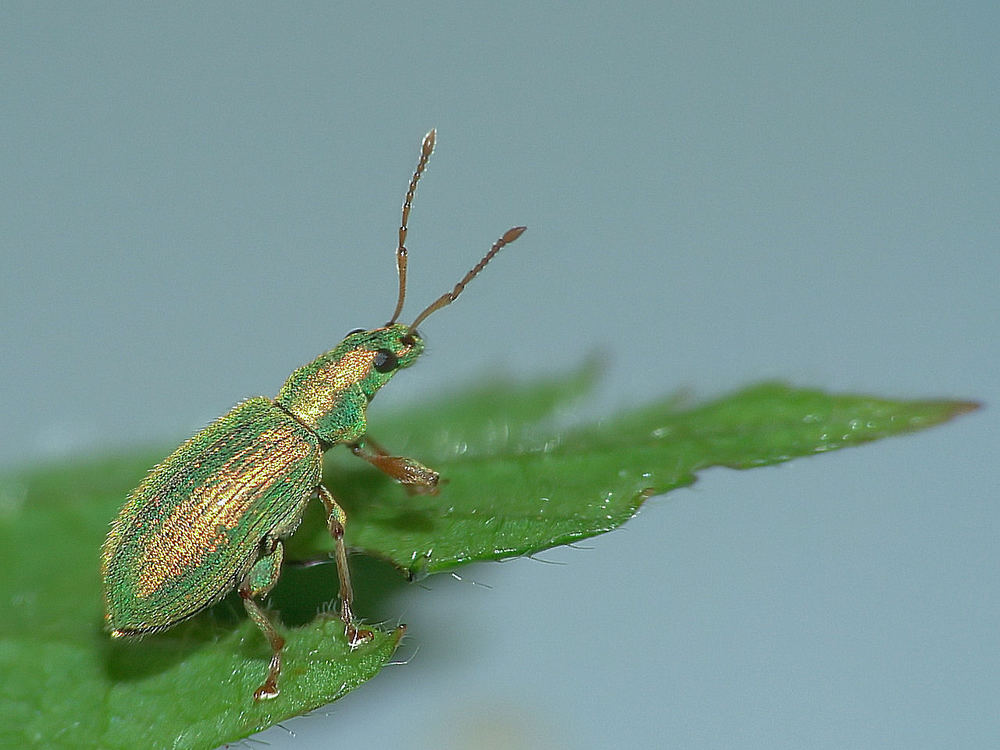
266, 691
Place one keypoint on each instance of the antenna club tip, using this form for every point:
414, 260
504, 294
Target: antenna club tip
513, 233
429, 141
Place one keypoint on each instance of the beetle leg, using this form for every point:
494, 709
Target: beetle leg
336, 519
413, 475
258, 583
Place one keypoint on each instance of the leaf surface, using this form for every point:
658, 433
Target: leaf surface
517, 481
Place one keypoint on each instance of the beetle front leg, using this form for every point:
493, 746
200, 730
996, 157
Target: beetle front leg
413, 475
258, 583
336, 520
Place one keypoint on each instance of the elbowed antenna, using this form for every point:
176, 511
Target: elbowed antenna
448, 297
425, 153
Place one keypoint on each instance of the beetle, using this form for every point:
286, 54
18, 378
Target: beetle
212, 516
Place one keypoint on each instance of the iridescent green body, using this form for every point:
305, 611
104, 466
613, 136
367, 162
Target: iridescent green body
193, 529
211, 517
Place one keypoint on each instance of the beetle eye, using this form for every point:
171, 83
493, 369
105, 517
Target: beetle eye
356, 330
385, 361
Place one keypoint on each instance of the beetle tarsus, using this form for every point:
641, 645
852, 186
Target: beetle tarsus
357, 636
416, 478
270, 687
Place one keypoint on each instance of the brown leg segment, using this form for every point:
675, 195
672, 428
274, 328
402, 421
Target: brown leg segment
413, 475
336, 519
258, 583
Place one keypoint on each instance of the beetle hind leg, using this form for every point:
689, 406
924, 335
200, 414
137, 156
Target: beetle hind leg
258, 583
336, 519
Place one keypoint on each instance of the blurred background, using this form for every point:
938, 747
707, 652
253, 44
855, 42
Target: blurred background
196, 199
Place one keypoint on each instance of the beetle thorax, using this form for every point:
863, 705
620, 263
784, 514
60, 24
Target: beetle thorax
331, 393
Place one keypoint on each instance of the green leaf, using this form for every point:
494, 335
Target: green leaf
517, 481
515, 488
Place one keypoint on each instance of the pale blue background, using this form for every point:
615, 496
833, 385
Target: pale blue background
194, 199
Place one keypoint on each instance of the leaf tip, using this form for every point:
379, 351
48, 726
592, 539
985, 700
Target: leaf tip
964, 407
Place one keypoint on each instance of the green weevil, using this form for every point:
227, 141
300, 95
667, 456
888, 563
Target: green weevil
212, 516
